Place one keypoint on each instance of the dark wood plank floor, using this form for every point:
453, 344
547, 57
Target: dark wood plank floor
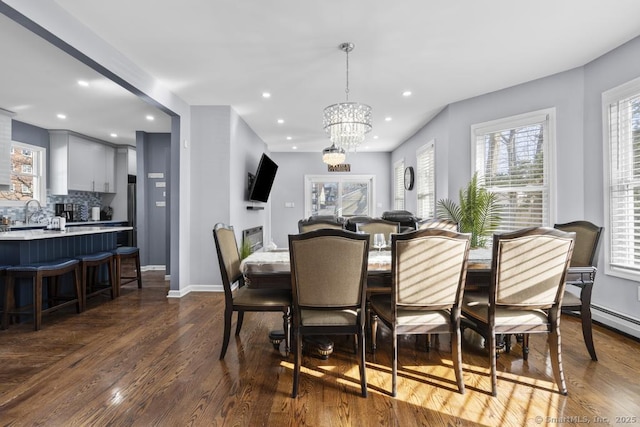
146, 360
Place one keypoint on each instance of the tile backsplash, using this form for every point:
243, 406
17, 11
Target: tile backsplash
78, 197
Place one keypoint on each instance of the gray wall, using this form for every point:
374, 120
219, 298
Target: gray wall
226, 149
153, 153
576, 96
289, 186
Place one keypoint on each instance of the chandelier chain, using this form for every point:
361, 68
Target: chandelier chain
346, 91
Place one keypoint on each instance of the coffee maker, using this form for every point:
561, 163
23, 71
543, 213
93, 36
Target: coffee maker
69, 211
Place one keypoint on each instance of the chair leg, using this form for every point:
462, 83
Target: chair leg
394, 363
138, 272
79, 291
227, 332
363, 370
374, 331
9, 302
286, 318
239, 322
37, 302
525, 347
556, 360
492, 362
297, 362
456, 350
587, 333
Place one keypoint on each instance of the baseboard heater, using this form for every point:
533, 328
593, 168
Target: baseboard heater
617, 321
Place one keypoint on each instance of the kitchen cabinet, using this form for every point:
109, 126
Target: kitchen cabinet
80, 164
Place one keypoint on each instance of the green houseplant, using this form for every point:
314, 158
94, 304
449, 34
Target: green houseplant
245, 249
477, 212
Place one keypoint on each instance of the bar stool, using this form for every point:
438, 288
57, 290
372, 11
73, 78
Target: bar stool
89, 268
123, 253
37, 273
3, 273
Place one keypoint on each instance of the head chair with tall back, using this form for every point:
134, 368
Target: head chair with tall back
528, 275
242, 298
582, 274
328, 276
428, 269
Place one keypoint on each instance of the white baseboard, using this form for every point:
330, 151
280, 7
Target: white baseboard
195, 288
152, 267
615, 320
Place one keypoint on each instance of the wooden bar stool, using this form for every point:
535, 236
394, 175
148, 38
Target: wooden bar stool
37, 273
90, 268
123, 253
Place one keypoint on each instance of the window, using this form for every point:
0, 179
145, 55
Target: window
27, 175
426, 183
621, 111
398, 185
343, 195
512, 159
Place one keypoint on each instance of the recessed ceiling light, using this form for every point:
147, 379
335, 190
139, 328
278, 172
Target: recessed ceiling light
83, 83
375, 137
62, 116
294, 147
280, 121
406, 93
289, 138
266, 95
114, 135
150, 117
387, 119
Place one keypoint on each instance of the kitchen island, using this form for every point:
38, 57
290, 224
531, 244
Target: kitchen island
41, 245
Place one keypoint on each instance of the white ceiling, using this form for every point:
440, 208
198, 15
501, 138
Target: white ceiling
224, 52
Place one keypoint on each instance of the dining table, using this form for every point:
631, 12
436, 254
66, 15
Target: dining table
271, 269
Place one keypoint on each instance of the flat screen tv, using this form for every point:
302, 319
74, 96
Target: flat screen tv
260, 187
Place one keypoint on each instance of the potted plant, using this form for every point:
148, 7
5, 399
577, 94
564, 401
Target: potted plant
245, 249
477, 212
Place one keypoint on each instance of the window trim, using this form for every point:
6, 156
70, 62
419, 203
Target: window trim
340, 178
610, 96
398, 184
518, 120
42, 190
430, 145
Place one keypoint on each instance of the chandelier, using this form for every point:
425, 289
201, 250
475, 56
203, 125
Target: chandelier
347, 123
333, 155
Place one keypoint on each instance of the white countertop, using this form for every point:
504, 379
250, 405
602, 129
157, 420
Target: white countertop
69, 224
39, 234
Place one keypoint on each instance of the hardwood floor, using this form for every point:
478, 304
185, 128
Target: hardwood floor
146, 360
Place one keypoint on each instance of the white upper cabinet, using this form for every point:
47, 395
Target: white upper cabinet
80, 164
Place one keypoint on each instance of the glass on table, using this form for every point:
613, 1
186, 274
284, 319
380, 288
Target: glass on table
379, 241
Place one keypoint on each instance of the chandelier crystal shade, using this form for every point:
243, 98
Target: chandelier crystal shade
346, 123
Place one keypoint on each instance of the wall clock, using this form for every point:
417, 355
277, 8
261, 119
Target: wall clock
409, 177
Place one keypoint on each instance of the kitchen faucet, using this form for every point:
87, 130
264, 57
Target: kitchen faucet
27, 217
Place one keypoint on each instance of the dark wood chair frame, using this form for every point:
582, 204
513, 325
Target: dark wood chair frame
315, 224
231, 306
299, 330
584, 279
552, 328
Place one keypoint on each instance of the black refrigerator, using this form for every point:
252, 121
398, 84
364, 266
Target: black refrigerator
131, 211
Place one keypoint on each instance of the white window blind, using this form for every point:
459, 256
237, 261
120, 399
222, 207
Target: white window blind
511, 159
398, 185
426, 182
622, 129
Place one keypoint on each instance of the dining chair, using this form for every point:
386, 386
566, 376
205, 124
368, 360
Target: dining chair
446, 224
242, 298
378, 226
584, 263
328, 276
529, 269
305, 225
428, 269
376, 285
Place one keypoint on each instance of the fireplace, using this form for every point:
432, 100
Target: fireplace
254, 237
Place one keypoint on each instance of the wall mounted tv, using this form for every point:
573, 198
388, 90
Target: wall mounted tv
260, 184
